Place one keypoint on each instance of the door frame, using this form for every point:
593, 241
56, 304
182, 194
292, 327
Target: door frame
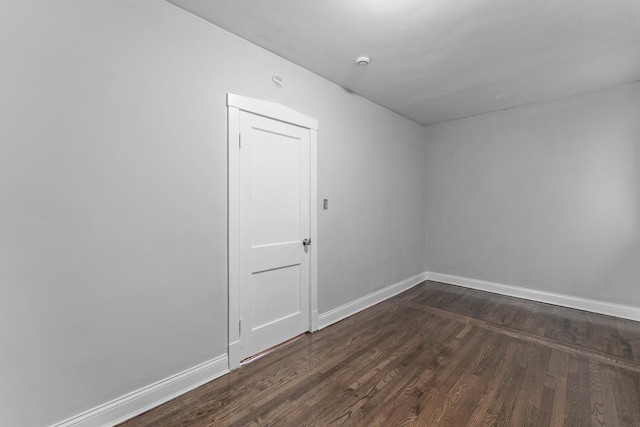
236, 104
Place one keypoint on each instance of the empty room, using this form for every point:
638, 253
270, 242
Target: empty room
319, 213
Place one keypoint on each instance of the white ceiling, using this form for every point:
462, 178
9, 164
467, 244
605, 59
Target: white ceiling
438, 60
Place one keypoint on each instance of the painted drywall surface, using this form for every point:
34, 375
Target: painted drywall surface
113, 196
544, 197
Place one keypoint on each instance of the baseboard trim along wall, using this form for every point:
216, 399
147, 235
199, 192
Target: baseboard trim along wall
349, 309
602, 307
132, 404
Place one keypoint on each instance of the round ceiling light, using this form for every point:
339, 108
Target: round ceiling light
363, 61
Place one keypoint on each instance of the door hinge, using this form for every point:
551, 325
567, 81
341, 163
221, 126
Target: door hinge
240, 327
240, 140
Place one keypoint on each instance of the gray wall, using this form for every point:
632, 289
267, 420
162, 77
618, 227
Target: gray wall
545, 197
113, 196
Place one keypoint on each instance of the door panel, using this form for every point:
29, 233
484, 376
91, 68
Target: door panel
276, 295
275, 173
274, 219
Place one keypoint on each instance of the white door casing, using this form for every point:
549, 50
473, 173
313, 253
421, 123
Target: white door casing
272, 208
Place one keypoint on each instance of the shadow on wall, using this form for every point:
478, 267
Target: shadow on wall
623, 273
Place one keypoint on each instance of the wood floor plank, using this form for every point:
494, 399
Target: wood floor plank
447, 374
435, 346
598, 415
557, 378
436, 355
592, 331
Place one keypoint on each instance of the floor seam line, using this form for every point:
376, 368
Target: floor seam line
525, 336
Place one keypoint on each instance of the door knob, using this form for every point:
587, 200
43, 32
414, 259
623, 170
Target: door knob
306, 242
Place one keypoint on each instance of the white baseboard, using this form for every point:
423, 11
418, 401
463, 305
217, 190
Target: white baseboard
132, 404
349, 309
602, 307
314, 320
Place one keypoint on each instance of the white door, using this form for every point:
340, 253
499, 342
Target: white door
274, 223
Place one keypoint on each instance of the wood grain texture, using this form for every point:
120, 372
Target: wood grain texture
436, 355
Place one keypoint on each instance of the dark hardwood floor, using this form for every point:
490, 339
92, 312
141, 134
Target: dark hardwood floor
436, 355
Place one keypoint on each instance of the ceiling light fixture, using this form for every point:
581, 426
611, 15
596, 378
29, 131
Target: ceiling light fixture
363, 61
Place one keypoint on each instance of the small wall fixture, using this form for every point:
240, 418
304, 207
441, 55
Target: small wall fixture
277, 80
363, 61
